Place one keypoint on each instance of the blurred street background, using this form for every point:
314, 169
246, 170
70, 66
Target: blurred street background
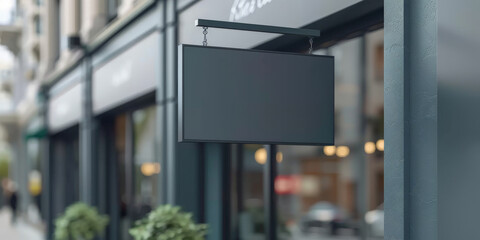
18, 230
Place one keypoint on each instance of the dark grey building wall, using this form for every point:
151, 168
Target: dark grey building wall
458, 119
431, 119
411, 120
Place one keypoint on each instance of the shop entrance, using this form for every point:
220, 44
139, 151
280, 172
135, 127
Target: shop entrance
330, 192
65, 170
128, 169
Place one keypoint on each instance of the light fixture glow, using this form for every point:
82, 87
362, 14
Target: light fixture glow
381, 145
369, 147
329, 150
343, 151
261, 156
35, 182
279, 157
149, 168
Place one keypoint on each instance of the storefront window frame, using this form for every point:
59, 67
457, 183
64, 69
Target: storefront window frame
270, 167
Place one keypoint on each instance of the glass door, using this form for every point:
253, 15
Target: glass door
128, 168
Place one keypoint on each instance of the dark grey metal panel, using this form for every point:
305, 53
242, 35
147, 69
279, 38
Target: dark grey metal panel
411, 197
248, 96
458, 129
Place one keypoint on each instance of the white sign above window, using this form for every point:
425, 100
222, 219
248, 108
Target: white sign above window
285, 13
243, 8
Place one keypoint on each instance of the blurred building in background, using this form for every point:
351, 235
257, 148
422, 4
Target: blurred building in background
88, 113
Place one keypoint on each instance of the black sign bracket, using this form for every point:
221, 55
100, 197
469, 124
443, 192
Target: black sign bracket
257, 28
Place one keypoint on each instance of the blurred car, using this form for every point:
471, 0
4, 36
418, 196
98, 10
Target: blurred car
375, 222
327, 216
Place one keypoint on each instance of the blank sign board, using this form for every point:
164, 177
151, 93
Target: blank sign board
247, 96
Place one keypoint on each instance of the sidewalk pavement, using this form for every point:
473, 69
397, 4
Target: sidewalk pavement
21, 230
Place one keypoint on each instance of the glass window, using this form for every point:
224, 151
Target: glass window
35, 174
122, 176
62, 38
65, 169
146, 166
112, 8
248, 192
120, 137
137, 167
331, 192
38, 25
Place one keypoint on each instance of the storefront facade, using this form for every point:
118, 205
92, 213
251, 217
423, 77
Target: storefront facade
116, 111
114, 115
104, 130
346, 182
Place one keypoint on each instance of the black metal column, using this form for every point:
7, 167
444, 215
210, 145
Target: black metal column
226, 195
170, 73
270, 199
47, 194
87, 176
161, 126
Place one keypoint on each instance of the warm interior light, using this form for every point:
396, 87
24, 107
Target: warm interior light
148, 169
369, 147
381, 145
261, 156
329, 150
279, 157
343, 151
35, 183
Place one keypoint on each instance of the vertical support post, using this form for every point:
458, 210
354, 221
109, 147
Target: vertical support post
46, 168
170, 72
237, 192
225, 191
129, 164
240, 170
201, 183
361, 158
86, 138
160, 138
411, 199
270, 200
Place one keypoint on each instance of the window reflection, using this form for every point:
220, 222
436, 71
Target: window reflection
330, 192
146, 166
336, 192
35, 177
137, 166
251, 224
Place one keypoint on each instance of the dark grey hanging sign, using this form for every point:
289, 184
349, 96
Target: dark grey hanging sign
248, 96
230, 95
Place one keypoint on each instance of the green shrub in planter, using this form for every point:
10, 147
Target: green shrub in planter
168, 223
80, 222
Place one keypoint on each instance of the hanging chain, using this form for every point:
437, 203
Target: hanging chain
205, 43
311, 45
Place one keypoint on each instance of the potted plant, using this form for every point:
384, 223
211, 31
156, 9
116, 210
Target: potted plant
168, 223
80, 222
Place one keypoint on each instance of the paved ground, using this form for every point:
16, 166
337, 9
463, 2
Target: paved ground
19, 231
323, 236
344, 234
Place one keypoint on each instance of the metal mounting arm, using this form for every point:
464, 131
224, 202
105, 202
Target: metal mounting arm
257, 28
